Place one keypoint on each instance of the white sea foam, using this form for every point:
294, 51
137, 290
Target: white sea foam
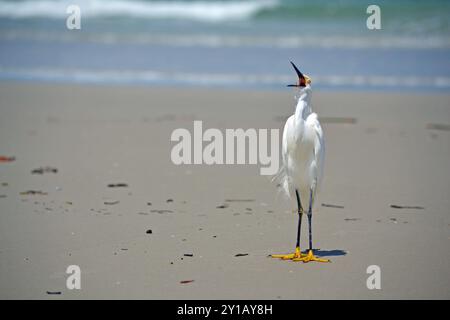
233, 41
202, 10
220, 79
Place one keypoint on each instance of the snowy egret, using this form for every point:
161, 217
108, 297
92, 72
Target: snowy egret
303, 157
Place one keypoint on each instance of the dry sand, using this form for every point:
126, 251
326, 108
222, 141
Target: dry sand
391, 153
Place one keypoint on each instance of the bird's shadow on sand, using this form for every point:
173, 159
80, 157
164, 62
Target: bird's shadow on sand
329, 253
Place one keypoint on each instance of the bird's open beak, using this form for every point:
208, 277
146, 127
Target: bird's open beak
302, 79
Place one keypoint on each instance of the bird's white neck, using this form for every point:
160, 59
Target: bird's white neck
303, 109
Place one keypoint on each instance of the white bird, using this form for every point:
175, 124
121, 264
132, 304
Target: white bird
303, 159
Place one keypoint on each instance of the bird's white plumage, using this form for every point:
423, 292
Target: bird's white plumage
302, 151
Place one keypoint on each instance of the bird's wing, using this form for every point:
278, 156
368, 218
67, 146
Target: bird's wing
282, 176
287, 136
319, 144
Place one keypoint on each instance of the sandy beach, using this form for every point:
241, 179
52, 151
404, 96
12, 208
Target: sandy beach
160, 224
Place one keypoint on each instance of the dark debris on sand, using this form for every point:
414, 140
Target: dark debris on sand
110, 203
394, 206
54, 292
34, 192
338, 120
332, 206
186, 281
162, 211
438, 126
43, 170
117, 185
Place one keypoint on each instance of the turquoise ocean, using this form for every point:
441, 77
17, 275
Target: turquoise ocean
236, 44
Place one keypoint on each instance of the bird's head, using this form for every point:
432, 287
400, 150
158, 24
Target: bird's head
303, 79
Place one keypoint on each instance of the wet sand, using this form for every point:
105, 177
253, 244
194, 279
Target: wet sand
91, 183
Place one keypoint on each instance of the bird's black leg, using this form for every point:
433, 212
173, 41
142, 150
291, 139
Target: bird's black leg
297, 255
310, 256
300, 214
309, 214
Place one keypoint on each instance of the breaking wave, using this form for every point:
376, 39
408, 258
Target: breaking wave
201, 10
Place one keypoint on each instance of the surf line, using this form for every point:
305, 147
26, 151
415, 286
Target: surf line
238, 144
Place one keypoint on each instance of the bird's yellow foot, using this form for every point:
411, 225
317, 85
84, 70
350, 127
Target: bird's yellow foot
310, 257
291, 256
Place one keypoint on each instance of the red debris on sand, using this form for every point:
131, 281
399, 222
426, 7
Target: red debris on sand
7, 159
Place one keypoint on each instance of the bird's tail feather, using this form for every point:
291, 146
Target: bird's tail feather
282, 179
